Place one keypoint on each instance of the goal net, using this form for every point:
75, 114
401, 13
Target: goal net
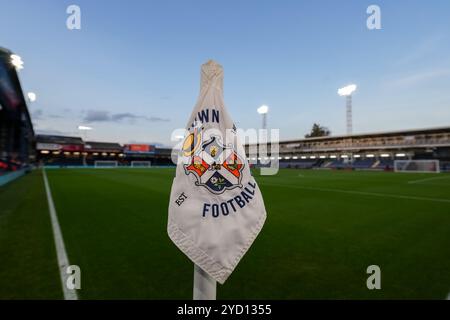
141, 164
416, 166
105, 164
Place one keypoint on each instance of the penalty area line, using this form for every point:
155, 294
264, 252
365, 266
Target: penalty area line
428, 179
363, 193
63, 261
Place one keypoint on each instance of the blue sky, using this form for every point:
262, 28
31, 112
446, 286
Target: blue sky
132, 71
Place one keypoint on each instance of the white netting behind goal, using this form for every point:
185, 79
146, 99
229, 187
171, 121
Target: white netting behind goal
141, 164
105, 164
416, 166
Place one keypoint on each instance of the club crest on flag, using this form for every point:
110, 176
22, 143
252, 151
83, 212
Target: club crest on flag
215, 166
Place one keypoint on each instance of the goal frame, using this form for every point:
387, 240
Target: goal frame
407, 162
114, 163
132, 164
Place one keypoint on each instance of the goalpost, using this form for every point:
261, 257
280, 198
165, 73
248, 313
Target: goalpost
105, 164
422, 166
141, 164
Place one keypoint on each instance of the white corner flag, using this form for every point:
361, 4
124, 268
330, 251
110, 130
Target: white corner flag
216, 209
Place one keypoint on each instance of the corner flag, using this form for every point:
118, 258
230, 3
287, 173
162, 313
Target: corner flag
216, 209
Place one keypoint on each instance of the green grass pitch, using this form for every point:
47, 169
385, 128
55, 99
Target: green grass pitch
323, 229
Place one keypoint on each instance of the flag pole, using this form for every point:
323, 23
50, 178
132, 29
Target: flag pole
204, 285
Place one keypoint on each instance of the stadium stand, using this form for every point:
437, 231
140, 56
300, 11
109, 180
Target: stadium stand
370, 151
16, 130
64, 151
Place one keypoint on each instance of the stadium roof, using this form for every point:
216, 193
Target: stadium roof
375, 134
103, 146
43, 138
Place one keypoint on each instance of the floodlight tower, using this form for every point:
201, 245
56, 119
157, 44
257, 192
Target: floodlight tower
347, 93
84, 129
263, 110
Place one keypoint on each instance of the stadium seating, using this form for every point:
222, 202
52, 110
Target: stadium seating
363, 163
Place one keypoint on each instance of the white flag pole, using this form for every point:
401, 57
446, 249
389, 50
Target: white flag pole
204, 285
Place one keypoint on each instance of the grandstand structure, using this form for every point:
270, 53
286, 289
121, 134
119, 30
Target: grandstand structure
368, 151
16, 129
66, 151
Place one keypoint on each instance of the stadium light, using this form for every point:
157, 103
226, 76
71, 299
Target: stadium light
347, 92
179, 137
17, 61
31, 96
400, 155
84, 128
263, 110
370, 155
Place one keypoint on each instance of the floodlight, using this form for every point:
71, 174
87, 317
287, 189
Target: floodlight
17, 61
347, 90
31, 96
84, 128
179, 137
263, 109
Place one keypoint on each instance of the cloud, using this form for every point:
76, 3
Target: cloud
54, 132
105, 116
419, 77
37, 114
423, 49
55, 116
97, 116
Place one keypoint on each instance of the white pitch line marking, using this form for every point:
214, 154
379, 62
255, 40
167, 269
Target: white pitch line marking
374, 194
428, 179
63, 261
